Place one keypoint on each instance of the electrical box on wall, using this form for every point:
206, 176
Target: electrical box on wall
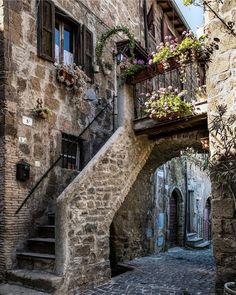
22, 171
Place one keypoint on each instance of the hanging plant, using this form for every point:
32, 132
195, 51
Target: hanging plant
131, 67
41, 111
167, 104
107, 35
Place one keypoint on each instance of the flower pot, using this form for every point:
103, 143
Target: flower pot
96, 68
42, 115
169, 117
66, 77
230, 288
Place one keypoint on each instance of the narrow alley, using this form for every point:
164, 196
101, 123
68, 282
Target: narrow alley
176, 272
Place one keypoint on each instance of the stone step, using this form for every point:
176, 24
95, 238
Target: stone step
194, 241
42, 245
202, 246
39, 280
191, 235
51, 218
46, 231
10, 289
36, 261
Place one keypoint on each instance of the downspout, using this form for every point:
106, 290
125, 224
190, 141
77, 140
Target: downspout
186, 201
145, 24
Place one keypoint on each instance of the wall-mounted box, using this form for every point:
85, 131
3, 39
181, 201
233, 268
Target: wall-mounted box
22, 171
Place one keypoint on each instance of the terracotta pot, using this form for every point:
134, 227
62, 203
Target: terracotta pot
230, 288
67, 76
170, 117
42, 115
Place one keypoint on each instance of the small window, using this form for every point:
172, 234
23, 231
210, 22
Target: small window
71, 152
64, 42
62, 39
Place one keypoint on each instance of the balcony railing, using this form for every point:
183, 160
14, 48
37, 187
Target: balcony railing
156, 77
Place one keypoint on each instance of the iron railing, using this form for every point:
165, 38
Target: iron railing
108, 108
195, 77
203, 228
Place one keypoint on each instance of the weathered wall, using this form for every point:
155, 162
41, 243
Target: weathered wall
221, 87
29, 78
141, 225
86, 208
2, 145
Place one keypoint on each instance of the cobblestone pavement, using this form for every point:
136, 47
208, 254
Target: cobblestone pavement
176, 272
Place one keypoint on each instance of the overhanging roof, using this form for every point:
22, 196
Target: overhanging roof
172, 11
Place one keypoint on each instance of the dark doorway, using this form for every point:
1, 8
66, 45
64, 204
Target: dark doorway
173, 219
207, 220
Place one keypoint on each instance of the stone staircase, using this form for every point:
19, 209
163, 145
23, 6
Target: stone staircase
35, 265
195, 242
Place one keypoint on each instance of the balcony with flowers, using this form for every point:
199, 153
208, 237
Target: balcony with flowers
169, 91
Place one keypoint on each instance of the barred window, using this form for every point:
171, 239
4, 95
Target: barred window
71, 152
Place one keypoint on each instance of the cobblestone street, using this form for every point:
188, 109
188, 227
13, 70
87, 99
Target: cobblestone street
175, 272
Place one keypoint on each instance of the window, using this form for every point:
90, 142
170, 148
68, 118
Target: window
63, 40
71, 152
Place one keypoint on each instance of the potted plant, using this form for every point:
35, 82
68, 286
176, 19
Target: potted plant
167, 104
131, 67
73, 77
41, 111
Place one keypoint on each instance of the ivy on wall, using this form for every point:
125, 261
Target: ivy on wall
107, 35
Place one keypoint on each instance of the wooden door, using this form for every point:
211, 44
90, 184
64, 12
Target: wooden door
173, 217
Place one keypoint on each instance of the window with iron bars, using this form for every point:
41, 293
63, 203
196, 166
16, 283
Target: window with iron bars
71, 152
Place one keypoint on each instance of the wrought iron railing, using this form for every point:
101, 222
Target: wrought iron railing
107, 110
194, 78
203, 227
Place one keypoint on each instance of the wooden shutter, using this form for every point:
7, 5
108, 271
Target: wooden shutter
88, 52
78, 47
46, 27
150, 18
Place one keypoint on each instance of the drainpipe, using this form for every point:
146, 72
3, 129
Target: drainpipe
145, 24
186, 201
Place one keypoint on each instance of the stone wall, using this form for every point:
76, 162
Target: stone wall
29, 78
86, 208
221, 87
141, 226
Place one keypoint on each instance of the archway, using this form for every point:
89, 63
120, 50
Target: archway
135, 222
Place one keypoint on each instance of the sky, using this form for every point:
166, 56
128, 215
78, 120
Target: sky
193, 14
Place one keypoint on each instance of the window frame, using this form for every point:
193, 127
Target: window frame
71, 140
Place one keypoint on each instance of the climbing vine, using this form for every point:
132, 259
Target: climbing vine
107, 35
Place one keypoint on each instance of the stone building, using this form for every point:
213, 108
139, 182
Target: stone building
154, 224
34, 35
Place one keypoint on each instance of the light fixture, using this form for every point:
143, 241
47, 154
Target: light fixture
119, 57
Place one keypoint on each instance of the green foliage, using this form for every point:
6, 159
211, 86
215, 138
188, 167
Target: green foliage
223, 161
188, 2
163, 55
167, 104
131, 70
189, 43
107, 35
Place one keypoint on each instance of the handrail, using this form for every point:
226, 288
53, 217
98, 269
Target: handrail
59, 158
203, 227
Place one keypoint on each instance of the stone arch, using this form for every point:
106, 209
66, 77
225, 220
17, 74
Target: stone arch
163, 151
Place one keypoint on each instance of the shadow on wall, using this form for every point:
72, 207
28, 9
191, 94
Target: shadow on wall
133, 231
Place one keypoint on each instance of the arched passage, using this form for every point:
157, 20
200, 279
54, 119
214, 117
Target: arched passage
135, 220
